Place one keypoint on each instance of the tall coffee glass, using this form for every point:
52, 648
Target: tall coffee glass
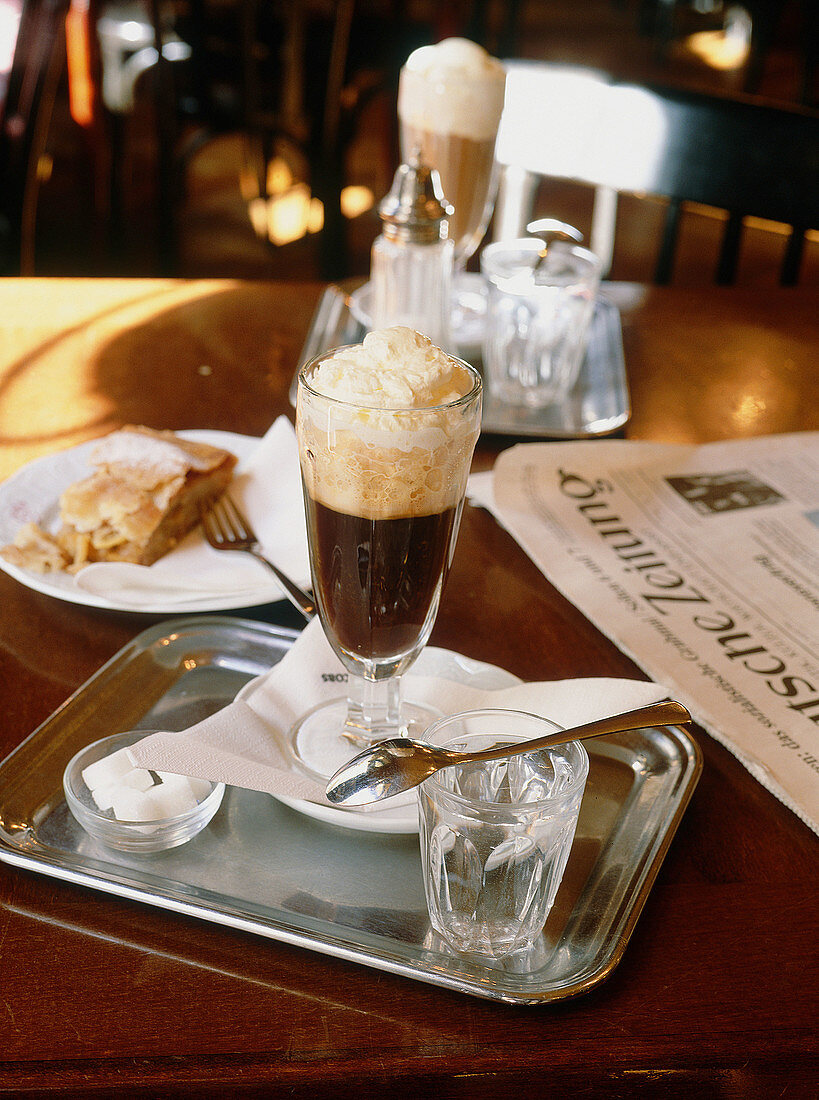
450, 99
386, 432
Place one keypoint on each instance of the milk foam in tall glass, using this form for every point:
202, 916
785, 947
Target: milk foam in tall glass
386, 431
450, 99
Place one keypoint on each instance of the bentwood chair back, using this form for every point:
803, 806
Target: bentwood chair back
744, 157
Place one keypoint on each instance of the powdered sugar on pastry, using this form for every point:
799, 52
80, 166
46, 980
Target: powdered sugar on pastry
149, 457
143, 497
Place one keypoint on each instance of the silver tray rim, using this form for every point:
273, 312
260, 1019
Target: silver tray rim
472, 979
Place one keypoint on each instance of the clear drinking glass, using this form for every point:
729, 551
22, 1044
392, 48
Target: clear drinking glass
496, 836
537, 319
384, 491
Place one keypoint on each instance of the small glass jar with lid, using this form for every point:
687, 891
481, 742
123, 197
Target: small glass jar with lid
412, 259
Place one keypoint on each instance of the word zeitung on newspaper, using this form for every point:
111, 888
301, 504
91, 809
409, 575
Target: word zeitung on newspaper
702, 564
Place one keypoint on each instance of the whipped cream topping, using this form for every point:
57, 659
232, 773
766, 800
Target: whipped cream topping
453, 87
384, 434
394, 368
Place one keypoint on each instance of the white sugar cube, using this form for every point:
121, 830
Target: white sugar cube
173, 779
132, 805
109, 770
138, 778
201, 787
104, 796
173, 799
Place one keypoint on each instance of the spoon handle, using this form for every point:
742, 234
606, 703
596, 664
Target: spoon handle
665, 713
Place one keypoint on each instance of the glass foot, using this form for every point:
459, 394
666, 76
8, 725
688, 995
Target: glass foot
323, 739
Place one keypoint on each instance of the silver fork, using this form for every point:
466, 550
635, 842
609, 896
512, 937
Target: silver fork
226, 528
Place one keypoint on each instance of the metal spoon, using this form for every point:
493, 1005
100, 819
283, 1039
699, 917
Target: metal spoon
400, 763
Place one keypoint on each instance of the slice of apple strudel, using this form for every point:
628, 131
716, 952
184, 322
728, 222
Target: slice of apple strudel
144, 495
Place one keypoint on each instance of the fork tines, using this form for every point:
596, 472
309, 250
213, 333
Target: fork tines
223, 521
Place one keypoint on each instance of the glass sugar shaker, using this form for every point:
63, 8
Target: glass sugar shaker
412, 259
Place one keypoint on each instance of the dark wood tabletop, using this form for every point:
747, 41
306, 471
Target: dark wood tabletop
716, 994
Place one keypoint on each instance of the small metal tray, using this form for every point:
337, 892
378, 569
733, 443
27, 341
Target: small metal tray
597, 405
267, 869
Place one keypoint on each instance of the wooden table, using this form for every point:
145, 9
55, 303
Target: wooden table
716, 994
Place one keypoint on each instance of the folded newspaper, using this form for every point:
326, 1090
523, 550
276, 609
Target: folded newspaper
699, 562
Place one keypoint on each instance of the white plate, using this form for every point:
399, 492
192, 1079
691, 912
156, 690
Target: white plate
402, 816
32, 495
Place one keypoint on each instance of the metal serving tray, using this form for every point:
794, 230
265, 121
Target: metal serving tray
267, 869
597, 405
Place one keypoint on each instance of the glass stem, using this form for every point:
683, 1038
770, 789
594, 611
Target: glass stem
373, 709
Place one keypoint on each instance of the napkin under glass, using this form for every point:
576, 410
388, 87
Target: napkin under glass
246, 743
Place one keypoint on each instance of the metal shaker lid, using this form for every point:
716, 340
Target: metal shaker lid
414, 209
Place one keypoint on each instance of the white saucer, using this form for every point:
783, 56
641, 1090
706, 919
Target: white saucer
399, 815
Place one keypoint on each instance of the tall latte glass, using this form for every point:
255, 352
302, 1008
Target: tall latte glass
450, 99
386, 431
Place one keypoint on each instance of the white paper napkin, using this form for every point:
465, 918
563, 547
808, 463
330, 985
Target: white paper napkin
245, 744
479, 490
267, 487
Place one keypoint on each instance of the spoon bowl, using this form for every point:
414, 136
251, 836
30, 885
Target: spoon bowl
400, 763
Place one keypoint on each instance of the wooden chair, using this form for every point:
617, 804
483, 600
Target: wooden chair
743, 156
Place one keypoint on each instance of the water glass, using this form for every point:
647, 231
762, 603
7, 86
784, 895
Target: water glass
538, 315
496, 836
